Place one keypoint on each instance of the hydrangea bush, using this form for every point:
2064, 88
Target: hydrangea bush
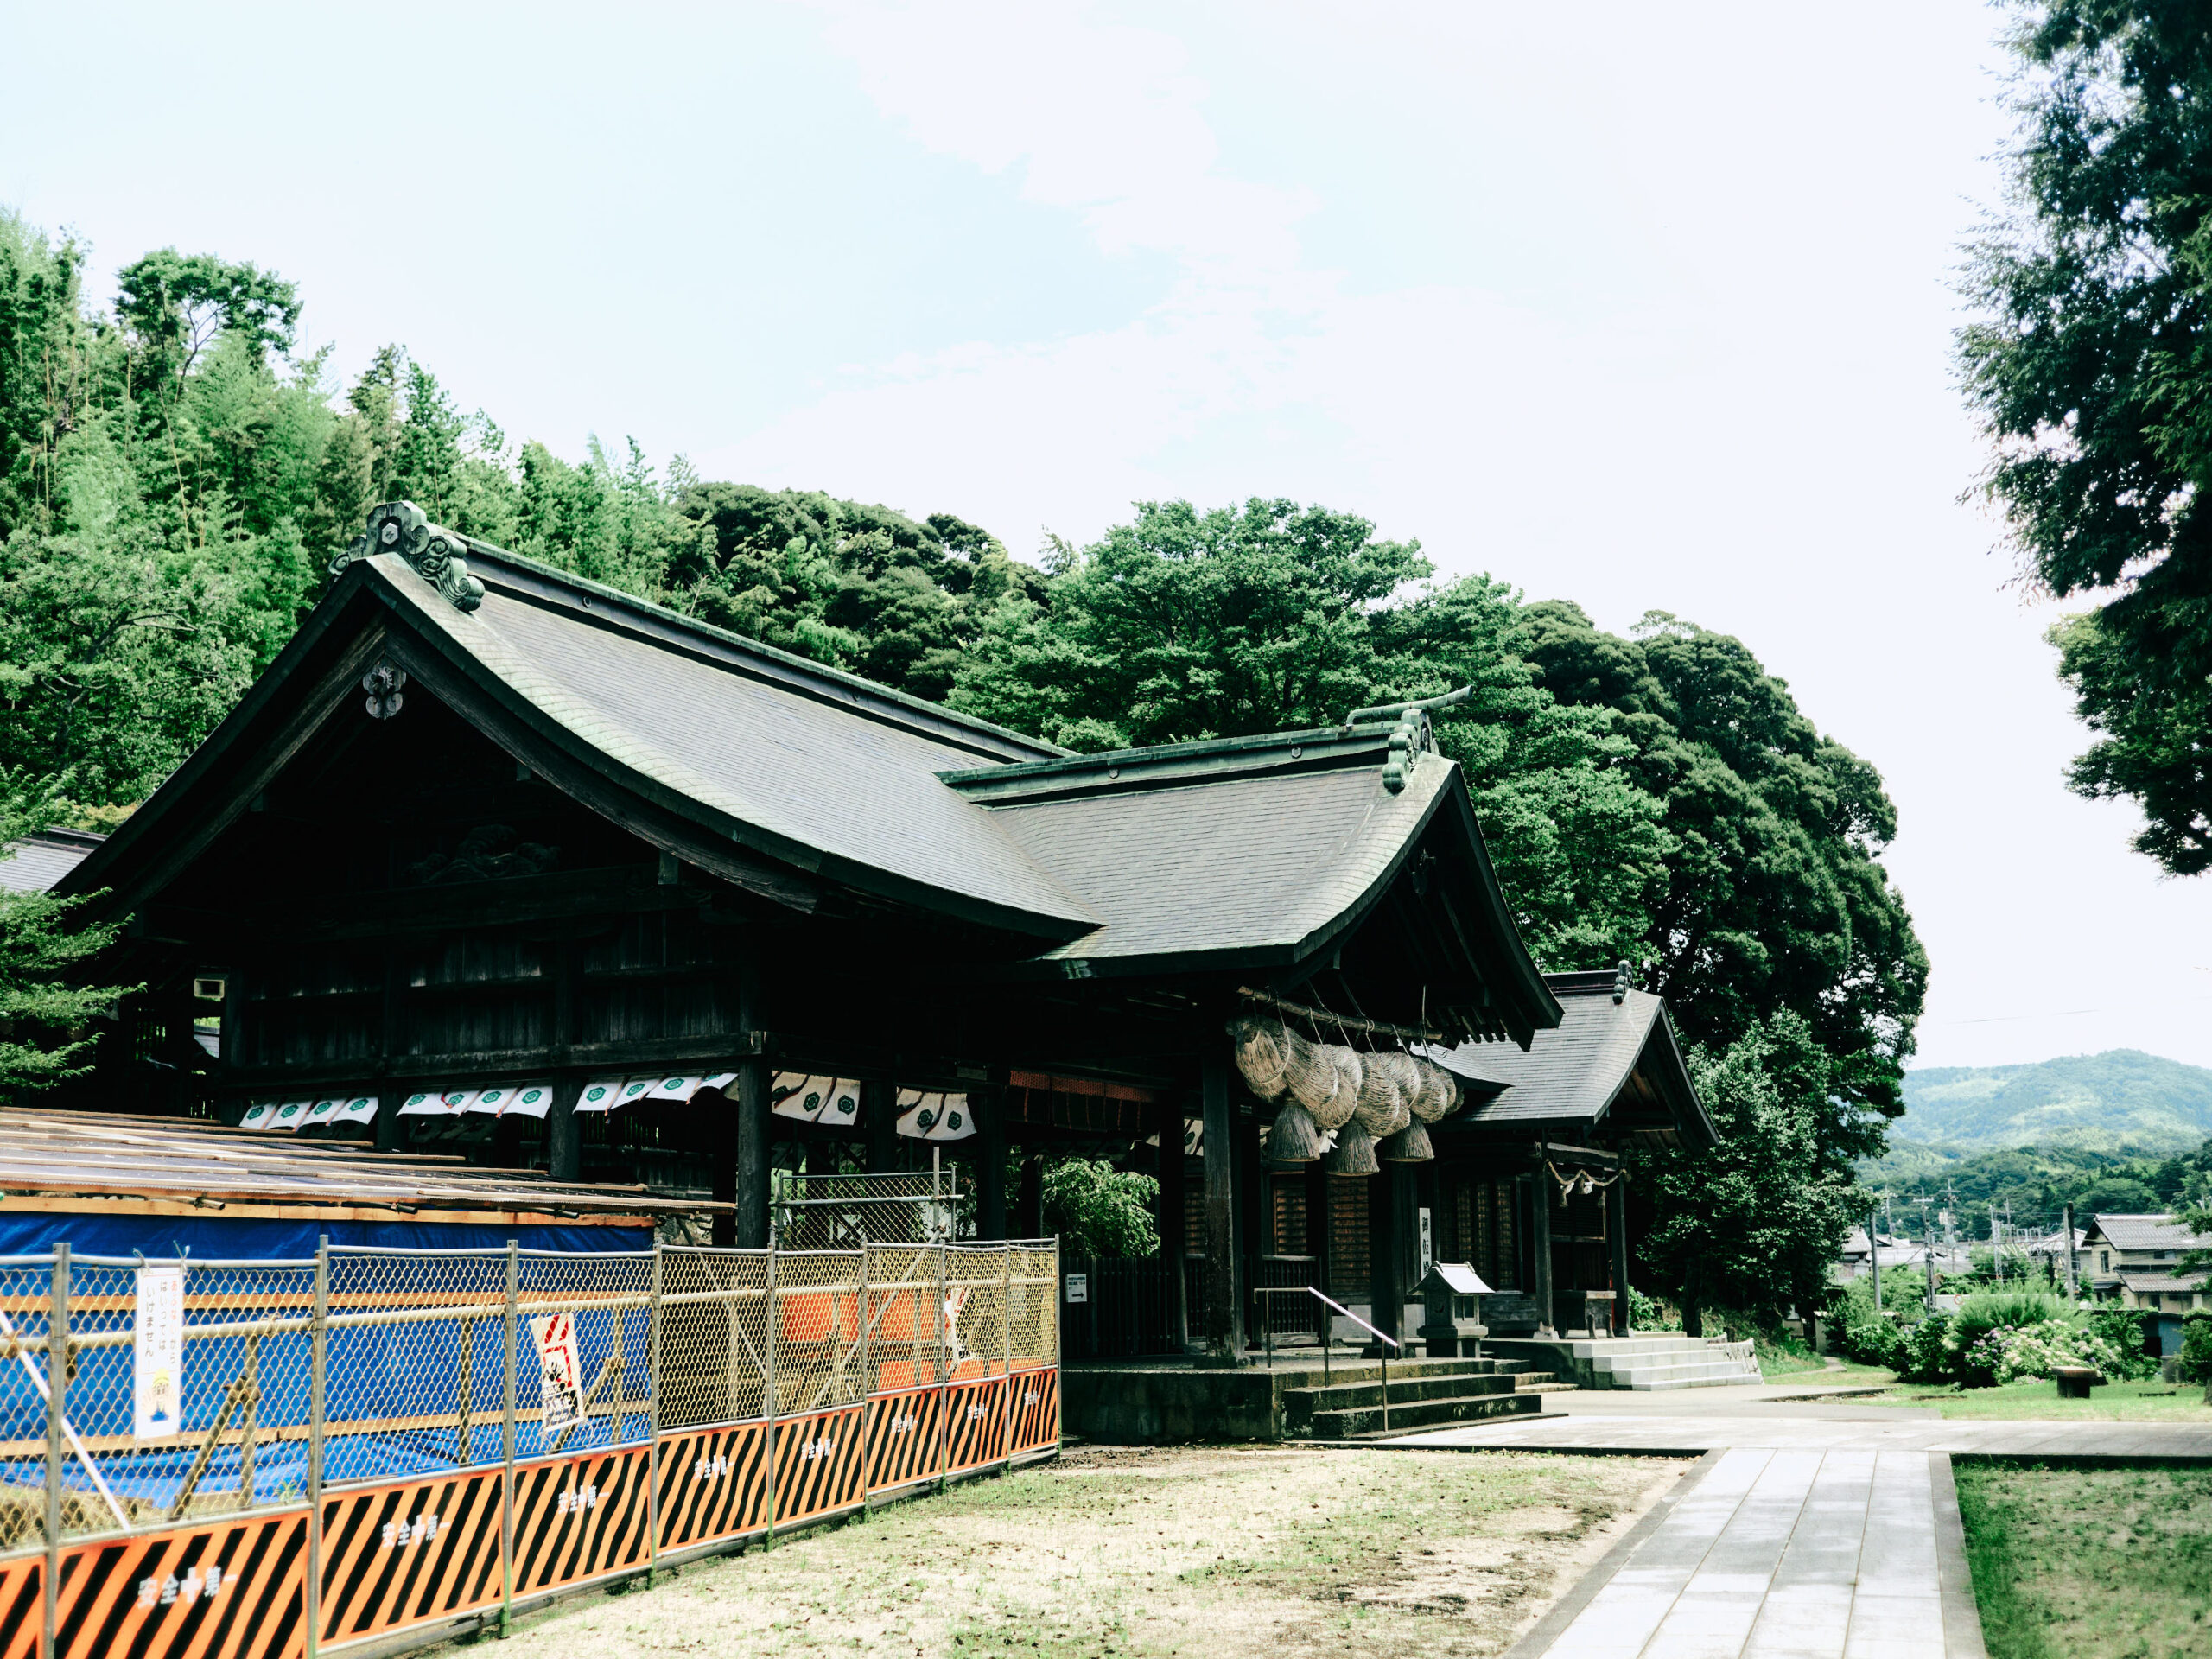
2012, 1353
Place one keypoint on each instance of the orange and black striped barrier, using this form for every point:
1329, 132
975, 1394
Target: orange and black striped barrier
424, 1553
407, 1554
235, 1591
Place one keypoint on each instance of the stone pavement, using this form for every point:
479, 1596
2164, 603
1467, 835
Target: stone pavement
1812, 1529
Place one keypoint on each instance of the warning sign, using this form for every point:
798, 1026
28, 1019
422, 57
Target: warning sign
560, 1374
157, 1348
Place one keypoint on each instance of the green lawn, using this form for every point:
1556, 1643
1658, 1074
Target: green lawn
2088, 1563
2115, 1402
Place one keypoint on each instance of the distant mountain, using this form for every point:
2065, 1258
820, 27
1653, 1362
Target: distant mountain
2121, 1099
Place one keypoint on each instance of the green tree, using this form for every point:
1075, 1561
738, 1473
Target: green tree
1096, 1209
1774, 896
1754, 1223
2091, 370
1187, 624
846, 582
44, 1010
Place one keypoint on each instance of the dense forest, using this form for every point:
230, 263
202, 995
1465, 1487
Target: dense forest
175, 478
2034, 1182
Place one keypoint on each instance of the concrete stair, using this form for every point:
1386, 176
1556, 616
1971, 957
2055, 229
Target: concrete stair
1422, 1394
1659, 1363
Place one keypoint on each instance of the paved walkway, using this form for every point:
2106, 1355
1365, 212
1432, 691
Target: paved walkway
1823, 1530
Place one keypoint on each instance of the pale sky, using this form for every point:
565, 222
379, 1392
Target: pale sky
1650, 309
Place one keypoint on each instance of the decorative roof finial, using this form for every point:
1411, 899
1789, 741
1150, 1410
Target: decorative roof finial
1624, 980
436, 553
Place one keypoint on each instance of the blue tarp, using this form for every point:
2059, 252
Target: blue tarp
221, 1238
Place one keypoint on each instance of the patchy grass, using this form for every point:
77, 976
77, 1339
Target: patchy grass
2088, 1563
2115, 1402
1224, 1552
1848, 1375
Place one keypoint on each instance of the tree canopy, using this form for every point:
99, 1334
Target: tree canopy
2091, 369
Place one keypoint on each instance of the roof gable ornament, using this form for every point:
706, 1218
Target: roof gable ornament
1412, 737
434, 552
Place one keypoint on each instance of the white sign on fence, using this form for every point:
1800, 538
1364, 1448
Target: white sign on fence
1078, 1286
157, 1346
561, 1376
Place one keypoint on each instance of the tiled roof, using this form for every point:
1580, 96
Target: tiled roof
2141, 1282
796, 759
1264, 857
37, 861
2147, 1233
1571, 1076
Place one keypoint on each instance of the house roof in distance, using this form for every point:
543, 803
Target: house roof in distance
38, 861
112, 1164
2125, 1232
2158, 1283
1612, 1065
1188, 857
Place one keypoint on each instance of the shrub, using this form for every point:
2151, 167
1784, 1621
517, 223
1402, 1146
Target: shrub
2197, 1347
1097, 1210
2009, 1353
2124, 1328
1926, 1360
1875, 1341
1649, 1314
1995, 1310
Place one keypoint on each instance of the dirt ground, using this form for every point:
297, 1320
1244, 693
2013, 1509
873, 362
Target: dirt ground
1130, 1551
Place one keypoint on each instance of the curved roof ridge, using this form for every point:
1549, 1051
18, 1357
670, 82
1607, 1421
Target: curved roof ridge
838, 684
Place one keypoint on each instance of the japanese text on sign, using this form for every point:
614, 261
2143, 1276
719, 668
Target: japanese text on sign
157, 1344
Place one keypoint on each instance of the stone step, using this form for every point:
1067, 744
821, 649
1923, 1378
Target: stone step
1300, 1407
1728, 1380
1365, 1422
1686, 1374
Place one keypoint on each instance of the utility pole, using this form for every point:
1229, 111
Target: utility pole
1874, 1257
1928, 1231
1996, 1247
2073, 1272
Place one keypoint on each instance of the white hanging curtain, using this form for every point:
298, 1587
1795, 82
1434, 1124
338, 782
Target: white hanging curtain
599, 1095
934, 1116
530, 1100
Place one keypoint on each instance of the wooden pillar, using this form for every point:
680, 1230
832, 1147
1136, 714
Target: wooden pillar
989, 1108
1173, 1246
751, 1163
1254, 1218
1616, 1229
1224, 1267
1029, 1202
880, 1123
390, 1133
741, 1143
1392, 1246
564, 1140
1543, 1192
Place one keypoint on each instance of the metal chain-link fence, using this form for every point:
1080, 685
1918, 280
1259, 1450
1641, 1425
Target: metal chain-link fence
193, 1391
844, 1212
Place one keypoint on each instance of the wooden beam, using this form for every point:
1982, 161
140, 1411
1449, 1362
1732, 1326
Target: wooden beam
1225, 1268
